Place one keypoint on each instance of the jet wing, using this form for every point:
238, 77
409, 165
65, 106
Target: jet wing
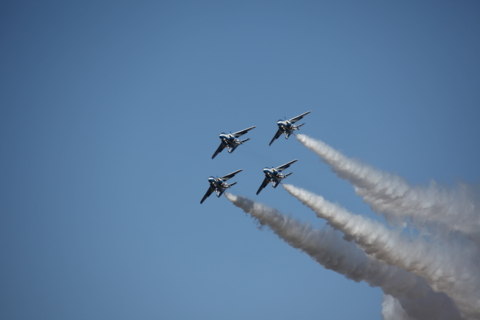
209, 192
242, 132
293, 120
279, 132
286, 165
230, 175
264, 184
219, 149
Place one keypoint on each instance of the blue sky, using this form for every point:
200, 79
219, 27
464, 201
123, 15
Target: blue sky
110, 113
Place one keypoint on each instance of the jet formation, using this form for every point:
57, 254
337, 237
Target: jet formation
273, 175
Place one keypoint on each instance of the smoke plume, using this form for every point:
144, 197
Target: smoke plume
445, 266
445, 254
413, 296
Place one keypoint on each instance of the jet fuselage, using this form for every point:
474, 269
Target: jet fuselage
218, 184
284, 124
287, 127
229, 139
274, 175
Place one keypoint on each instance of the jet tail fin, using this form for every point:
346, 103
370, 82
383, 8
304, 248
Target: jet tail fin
298, 127
287, 175
231, 184
244, 140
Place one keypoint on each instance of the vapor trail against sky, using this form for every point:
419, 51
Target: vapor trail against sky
447, 268
446, 256
328, 248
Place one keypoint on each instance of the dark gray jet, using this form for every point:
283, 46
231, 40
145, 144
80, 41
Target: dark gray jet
287, 127
231, 141
275, 175
219, 185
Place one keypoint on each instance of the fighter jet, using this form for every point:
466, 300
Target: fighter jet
230, 141
287, 127
275, 175
219, 185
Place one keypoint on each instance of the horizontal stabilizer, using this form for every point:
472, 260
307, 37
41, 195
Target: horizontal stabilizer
244, 140
287, 175
232, 149
298, 127
231, 184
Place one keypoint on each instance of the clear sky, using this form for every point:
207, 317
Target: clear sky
110, 112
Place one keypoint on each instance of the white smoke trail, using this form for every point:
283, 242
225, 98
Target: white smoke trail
391, 195
328, 248
445, 268
392, 309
